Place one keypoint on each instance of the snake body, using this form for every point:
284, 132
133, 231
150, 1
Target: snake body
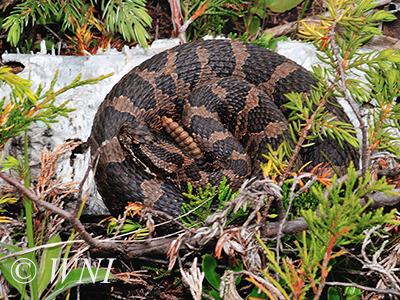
222, 97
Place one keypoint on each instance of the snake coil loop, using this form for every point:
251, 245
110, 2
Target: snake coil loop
198, 112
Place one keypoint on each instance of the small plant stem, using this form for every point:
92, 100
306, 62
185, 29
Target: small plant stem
303, 136
71, 238
296, 152
365, 150
184, 27
27, 202
328, 256
176, 16
40, 238
324, 271
53, 33
28, 205
73, 231
293, 195
300, 17
264, 16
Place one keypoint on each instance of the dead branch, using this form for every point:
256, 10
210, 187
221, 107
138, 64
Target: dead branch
196, 239
383, 42
388, 275
103, 245
382, 200
138, 249
161, 245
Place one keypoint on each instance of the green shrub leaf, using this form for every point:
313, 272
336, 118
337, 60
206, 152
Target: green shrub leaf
280, 6
209, 264
77, 277
46, 263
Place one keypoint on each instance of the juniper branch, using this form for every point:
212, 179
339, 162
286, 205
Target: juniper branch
303, 136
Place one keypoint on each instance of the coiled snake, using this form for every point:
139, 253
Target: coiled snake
220, 100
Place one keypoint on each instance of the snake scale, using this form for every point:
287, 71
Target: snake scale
198, 112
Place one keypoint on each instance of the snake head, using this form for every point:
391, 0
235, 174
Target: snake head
135, 133
136, 137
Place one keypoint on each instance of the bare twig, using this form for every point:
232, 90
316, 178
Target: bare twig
384, 2
121, 222
169, 218
184, 27
293, 195
373, 264
53, 33
176, 15
365, 150
105, 246
41, 247
7, 2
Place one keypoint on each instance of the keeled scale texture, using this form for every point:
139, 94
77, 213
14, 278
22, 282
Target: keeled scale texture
160, 86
